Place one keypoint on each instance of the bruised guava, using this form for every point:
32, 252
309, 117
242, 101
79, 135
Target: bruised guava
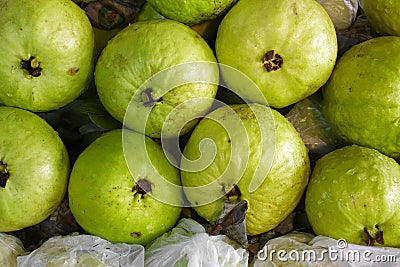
245, 152
115, 197
34, 169
353, 194
287, 47
362, 97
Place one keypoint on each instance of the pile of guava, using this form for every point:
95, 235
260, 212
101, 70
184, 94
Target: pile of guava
253, 118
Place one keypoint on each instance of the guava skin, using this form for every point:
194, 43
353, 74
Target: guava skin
278, 194
37, 164
289, 59
383, 15
354, 190
135, 55
47, 53
105, 199
362, 97
191, 12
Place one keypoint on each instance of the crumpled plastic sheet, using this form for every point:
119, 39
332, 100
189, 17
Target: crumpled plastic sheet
188, 244
83, 251
341, 12
10, 248
304, 249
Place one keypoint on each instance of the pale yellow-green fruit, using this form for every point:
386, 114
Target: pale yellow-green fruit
278, 148
383, 15
149, 66
191, 12
117, 197
287, 47
362, 97
47, 53
34, 169
353, 194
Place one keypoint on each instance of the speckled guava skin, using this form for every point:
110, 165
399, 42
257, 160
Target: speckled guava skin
103, 195
287, 47
383, 15
362, 97
58, 38
353, 188
38, 166
142, 50
191, 12
284, 184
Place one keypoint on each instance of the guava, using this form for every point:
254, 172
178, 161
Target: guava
191, 12
47, 56
353, 194
245, 152
287, 47
362, 97
125, 76
383, 15
115, 197
34, 169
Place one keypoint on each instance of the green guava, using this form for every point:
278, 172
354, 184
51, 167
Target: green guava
142, 72
245, 152
34, 169
47, 57
114, 197
362, 97
287, 47
353, 194
191, 12
383, 15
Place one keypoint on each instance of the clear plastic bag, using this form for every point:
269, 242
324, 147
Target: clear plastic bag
10, 248
189, 245
303, 249
341, 12
308, 119
83, 250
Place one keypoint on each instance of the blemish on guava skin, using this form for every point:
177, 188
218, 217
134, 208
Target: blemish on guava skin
294, 8
31, 66
136, 234
73, 71
272, 61
4, 174
148, 99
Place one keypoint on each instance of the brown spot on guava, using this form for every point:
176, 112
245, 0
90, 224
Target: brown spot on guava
73, 71
136, 234
272, 61
4, 174
148, 99
294, 8
31, 66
